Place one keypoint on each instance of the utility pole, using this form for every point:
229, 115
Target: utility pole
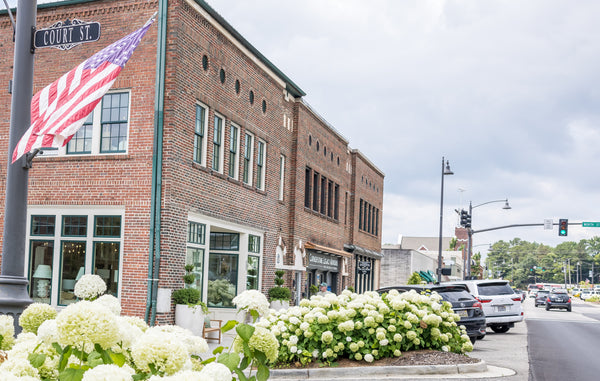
13, 284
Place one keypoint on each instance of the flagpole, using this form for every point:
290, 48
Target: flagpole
13, 283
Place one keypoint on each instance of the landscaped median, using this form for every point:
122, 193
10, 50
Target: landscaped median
364, 327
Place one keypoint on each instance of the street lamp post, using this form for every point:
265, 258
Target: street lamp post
445, 171
470, 230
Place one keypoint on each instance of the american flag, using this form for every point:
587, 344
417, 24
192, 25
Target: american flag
59, 110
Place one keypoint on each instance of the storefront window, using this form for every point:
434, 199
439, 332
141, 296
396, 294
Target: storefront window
72, 268
106, 264
222, 279
40, 271
252, 277
195, 256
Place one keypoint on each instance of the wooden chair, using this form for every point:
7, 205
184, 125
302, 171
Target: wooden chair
207, 330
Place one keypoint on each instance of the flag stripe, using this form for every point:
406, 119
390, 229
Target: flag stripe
59, 110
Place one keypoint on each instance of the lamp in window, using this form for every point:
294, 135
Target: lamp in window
42, 275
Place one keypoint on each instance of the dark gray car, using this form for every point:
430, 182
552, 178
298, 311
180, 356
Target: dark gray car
540, 298
558, 298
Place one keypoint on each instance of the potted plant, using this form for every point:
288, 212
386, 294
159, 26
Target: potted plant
279, 295
190, 311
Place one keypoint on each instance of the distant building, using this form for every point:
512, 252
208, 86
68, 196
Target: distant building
414, 254
234, 174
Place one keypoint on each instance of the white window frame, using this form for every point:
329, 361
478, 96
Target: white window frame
222, 144
202, 160
261, 171
236, 161
57, 238
213, 224
281, 176
96, 133
251, 158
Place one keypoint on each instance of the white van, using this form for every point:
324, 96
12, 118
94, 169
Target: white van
502, 307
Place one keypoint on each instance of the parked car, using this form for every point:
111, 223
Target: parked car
502, 307
540, 298
522, 293
558, 298
463, 303
585, 294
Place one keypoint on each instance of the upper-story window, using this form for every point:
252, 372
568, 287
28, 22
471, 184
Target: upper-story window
199, 135
281, 177
217, 159
260, 164
105, 131
248, 158
234, 143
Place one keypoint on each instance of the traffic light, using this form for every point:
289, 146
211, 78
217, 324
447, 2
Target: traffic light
563, 227
465, 219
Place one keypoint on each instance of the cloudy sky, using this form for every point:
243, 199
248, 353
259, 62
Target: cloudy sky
508, 91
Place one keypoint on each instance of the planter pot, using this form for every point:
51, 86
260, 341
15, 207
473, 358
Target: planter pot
191, 318
280, 304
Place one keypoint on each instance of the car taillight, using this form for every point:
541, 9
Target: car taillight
548, 299
477, 305
517, 299
569, 301
484, 300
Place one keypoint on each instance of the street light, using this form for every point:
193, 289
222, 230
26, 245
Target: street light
445, 171
470, 230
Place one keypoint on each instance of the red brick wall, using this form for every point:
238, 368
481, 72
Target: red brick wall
126, 180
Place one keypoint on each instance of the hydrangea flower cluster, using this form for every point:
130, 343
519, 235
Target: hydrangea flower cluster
89, 287
252, 300
89, 340
365, 327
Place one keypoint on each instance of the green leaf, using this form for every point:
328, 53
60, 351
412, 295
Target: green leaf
218, 350
71, 374
229, 325
105, 356
37, 359
260, 357
241, 375
64, 357
254, 314
263, 373
245, 362
208, 361
230, 360
58, 348
95, 359
245, 331
117, 358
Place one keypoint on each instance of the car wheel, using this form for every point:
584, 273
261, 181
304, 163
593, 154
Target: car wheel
480, 337
569, 309
501, 328
536, 305
473, 339
547, 307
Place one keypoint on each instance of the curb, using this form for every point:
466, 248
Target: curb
371, 372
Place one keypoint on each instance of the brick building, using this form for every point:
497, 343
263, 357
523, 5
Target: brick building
204, 153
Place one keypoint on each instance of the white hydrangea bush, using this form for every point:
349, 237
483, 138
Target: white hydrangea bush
91, 341
365, 327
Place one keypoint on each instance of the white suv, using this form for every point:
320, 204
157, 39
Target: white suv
502, 307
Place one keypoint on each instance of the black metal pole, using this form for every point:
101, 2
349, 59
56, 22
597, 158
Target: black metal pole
14, 297
439, 268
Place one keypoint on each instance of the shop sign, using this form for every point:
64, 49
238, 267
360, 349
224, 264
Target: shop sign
323, 262
363, 267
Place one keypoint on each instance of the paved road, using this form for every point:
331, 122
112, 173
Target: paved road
565, 345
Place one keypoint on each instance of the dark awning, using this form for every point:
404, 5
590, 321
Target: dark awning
357, 250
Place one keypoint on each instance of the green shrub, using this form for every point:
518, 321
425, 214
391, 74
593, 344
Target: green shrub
186, 296
278, 292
